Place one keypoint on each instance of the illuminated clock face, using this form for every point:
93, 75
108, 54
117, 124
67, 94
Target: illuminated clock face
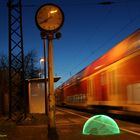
49, 17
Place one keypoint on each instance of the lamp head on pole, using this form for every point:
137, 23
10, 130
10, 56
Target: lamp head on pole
41, 60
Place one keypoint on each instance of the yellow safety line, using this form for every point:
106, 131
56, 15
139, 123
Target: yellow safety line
74, 114
130, 131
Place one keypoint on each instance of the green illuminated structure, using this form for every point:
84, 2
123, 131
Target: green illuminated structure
100, 125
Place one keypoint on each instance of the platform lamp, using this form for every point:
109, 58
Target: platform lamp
49, 19
40, 61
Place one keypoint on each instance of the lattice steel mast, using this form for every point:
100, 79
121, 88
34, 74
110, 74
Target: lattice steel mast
17, 102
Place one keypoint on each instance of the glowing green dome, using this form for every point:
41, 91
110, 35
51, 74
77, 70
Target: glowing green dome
100, 125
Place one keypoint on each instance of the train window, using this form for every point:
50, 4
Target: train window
81, 98
112, 82
90, 87
133, 95
103, 78
84, 97
76, 98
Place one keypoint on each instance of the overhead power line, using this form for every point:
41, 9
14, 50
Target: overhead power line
106, 3
105, 42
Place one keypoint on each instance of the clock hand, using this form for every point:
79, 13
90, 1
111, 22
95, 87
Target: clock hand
45, 20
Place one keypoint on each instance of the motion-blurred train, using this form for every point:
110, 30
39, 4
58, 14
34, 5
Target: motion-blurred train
113, 80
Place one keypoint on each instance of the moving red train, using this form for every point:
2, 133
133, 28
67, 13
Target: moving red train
113, 80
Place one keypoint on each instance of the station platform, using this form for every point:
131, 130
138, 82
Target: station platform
35, 128
68, 127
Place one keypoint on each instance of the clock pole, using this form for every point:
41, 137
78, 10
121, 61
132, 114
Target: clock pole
51, 96
44, 37
49, 19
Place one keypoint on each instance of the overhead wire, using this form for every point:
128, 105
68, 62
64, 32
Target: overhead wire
81, 3
105, 43
91, 36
